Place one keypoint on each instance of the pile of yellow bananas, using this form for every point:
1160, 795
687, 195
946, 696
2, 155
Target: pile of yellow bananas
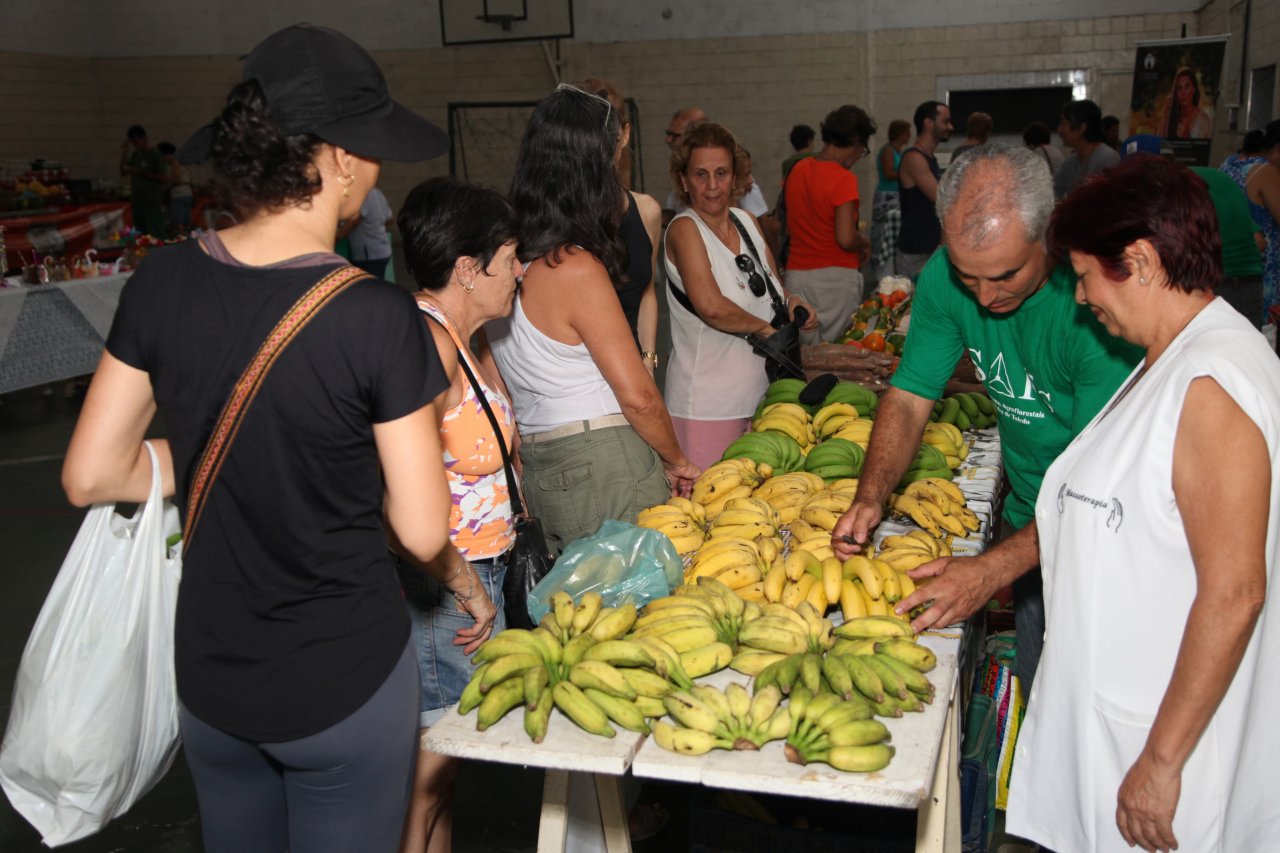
726, 480
835, 731
707, 718
680, 520
789, 419
823, 509
842, 420
949, 439
911, 550
938, 506
786, 493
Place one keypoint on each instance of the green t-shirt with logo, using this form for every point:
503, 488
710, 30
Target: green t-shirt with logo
1049, 366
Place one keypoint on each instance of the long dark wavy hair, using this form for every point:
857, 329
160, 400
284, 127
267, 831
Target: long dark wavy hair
256, 165
565, 189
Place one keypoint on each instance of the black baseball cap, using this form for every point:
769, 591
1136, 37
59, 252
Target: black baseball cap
319, 81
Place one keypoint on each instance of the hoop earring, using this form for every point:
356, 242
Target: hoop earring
346, 186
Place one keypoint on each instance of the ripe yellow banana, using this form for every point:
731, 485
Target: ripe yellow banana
739, 576
707, 659
576, 706
753, 661
714, 507
562, 605
613, 622
798, 590
861, 567
687, 544
874, 627
691, 637
619, 653
584, 614
819, 516
832, 575
892, 589
683, 740
918, 512
851, 605
817, 597
747, 531
601, 676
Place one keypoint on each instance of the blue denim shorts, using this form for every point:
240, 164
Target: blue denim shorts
436, 619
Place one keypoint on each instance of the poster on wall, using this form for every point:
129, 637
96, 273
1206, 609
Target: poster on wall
1176, 88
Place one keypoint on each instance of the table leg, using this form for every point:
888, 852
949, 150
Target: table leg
613, 814
938, 820
553, 827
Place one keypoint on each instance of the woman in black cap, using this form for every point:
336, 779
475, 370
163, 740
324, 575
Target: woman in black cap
298, 686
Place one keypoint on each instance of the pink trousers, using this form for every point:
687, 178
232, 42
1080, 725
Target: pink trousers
704, 442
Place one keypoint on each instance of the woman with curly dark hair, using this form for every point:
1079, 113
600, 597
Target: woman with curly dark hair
596, 439
298, 684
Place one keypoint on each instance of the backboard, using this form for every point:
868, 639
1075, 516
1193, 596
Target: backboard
483, 21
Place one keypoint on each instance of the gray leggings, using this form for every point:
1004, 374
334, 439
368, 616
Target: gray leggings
342, 789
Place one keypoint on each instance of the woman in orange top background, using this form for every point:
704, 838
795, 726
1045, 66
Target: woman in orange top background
827, 250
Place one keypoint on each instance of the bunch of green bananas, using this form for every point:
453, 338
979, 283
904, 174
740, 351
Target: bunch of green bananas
835, 459
779, 451
698, 622
782, 391
706, 719
966, 409
929, 461
863, 399
575, 660
835, 731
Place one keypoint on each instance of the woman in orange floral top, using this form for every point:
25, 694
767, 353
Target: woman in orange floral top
460, 247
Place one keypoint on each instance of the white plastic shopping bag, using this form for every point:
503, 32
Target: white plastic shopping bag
94, 722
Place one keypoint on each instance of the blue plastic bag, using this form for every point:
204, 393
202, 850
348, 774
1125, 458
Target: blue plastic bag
620, 561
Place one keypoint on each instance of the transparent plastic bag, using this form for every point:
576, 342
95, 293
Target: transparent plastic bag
94, 723
620, 561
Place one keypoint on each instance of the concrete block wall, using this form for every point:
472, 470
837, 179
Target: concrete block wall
76, 107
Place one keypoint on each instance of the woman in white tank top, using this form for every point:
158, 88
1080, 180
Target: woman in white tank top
1150, 718
596, 439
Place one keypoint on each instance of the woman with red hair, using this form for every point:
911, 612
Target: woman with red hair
1149, 723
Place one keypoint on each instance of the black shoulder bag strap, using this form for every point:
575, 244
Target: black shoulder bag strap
513, 487
775, 298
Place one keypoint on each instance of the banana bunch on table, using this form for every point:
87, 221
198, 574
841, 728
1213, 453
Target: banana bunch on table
706, 718
790, 419
826, 728
857, 430
575, 660
938, 506
779, 631
786, 493
949, 441
726, 480
680, 520
736, 562
911, 550
823, 509
699, 623
833, 417
967, 410
870, 586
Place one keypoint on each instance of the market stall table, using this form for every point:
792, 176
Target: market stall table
54, 332
64, 231
924, 774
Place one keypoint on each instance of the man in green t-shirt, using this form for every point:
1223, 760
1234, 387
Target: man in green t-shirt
1242, 246
992, 292
148, 177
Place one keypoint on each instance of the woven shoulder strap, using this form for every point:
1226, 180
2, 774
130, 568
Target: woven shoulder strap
247, 386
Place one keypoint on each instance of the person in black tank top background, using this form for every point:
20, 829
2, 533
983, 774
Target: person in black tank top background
640, 231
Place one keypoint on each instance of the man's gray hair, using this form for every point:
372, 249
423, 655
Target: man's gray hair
1009, 180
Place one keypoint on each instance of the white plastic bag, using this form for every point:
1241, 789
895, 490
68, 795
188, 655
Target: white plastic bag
94, 722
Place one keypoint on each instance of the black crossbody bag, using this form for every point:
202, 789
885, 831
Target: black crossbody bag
781, 351
529, 559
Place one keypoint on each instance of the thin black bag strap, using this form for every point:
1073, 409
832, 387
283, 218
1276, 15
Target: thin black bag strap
513, 487
774, 297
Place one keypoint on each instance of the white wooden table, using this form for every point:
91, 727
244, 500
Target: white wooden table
582, 806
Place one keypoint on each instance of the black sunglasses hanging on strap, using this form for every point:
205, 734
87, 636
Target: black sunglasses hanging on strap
529, 559
781, 351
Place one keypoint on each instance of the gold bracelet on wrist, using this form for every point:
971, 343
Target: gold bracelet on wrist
650, 356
